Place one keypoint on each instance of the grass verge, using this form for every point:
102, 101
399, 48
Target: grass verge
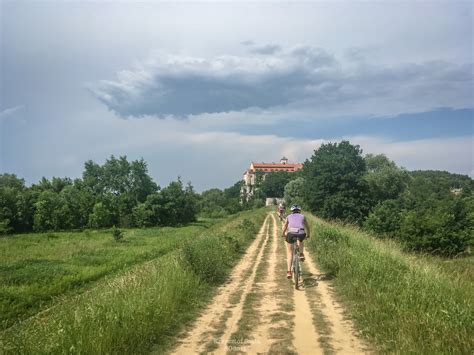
400, 302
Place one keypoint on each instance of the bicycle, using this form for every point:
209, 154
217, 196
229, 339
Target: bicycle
282, 216
296, 265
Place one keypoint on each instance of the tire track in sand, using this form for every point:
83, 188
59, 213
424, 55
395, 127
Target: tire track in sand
205, 326
284, 319
342, 336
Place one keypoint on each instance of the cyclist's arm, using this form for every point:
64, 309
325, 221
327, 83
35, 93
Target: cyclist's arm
285, 226
306, 228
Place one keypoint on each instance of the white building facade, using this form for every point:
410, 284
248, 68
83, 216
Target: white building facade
250, 175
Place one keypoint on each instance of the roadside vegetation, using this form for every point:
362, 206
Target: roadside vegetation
402, 303
37, 268
141, 307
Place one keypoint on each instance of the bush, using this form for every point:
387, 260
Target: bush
248, 226
4, 228
101, 216
233, 243
385, 219
208, 257
117, 234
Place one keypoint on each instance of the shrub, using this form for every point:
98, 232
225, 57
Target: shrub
4, 228
248, 226
117, 234
208, 257
233, 243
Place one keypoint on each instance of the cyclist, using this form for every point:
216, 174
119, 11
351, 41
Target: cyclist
281, 211
298, 230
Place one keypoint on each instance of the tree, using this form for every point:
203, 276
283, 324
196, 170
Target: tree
141, 184
101, 216
273, 185
385, 219
335, 185
142, 215
385, 180
233, 197
294, 192
173, 205
212, 203
16, 204
49, 212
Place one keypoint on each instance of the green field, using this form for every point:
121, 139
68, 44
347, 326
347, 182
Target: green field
143, 288
402, 303
36, 268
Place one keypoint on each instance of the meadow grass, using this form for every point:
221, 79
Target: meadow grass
140, 308
36, 268
403, 303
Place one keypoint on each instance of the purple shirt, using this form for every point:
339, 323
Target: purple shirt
296, 222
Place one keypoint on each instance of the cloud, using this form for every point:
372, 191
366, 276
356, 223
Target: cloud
299, 77
181, 86
266, 49
10, 112
247, 43
454, 154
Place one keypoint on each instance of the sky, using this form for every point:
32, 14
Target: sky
201, 89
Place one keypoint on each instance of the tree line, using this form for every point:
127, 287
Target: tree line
118, 193
421, 209
428, 211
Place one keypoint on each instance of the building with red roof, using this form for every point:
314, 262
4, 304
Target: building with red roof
266, 168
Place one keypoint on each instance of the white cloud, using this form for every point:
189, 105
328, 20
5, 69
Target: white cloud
301, 77
10, 112
451, 154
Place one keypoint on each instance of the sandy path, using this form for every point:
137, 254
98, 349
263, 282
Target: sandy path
269, 304
201, 332
279, 307
343, 339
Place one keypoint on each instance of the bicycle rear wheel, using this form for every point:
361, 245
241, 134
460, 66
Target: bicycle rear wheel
296, 270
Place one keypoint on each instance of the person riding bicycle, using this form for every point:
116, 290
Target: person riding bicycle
298, 230
281, 211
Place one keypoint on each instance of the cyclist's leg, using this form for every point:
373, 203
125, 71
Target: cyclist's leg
301, 246
289, 255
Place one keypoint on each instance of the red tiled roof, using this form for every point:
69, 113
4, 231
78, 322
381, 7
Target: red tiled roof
268, 167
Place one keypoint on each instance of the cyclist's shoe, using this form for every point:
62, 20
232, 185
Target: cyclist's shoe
288, 275
302, 258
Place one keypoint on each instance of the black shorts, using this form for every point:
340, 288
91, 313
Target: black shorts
291, 237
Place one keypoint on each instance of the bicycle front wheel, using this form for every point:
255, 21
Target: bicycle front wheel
296, 271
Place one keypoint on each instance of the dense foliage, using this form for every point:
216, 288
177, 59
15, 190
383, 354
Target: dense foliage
274, 184
218, 203
428, 211
427, 217
119, 193
334, 186
293, 193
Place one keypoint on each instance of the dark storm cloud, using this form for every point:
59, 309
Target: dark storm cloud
303, 75
266, 49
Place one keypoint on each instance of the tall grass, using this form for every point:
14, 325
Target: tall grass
402, 303
144, 307
124, 314
37, 268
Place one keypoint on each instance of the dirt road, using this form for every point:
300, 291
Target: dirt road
259, 311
